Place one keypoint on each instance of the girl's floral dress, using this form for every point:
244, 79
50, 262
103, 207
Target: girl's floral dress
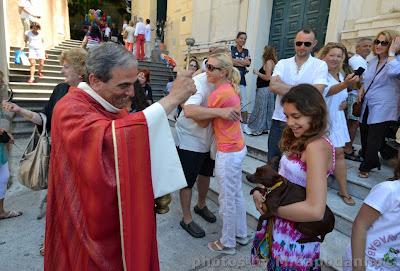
287, 254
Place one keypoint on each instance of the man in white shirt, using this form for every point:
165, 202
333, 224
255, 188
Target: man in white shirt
147, 36
194, 144
363, 49
140, 30
107, 33
28, 14
299, 69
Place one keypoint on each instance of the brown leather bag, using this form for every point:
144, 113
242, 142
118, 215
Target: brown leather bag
356, 110
34, 163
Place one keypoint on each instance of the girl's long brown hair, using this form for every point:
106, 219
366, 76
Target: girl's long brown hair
309, 101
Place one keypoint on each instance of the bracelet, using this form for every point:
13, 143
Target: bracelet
391, 53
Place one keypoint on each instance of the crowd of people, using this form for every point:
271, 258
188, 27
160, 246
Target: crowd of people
305, 105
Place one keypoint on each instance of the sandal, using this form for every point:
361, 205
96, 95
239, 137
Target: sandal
41, 250
362, 174
205, 213
351, 156
218, 247
10, 214
40, 75
193, 229
347, 199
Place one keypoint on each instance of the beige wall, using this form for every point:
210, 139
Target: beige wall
350, 20
54, 21
178, 28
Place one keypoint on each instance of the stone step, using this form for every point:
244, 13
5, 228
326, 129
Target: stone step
18, 86
26, 50
24, 70
45, 67
65, 47
44, 79
47, 61
49, 56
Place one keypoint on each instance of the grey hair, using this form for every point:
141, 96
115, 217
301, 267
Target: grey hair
101, 60
362, 40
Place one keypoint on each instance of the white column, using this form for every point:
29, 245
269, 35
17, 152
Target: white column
4, 40
258, 26
337, 18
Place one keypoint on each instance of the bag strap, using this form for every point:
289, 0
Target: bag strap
44, 122
373, 79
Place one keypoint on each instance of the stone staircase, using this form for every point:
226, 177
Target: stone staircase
34, 96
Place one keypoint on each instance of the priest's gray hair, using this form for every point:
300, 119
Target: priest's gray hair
102, 59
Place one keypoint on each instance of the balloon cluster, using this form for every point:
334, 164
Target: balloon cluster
97, 18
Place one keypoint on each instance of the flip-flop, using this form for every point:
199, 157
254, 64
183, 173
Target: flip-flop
347, 199
351, 156
215, 246
10, 214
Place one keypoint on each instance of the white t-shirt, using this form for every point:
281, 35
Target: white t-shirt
130, 30
313, 71
107, 32
190, 136
383, 237
355, 62
28, 5
147, 33
140, 29
35, 41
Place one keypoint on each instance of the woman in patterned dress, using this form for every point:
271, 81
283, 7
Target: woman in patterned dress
308, 158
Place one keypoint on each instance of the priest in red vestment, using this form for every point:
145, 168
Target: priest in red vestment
100, 205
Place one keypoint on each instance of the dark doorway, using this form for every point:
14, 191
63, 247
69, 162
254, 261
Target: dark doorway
289, 16
161, 18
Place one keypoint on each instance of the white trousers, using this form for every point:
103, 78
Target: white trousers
228, 172
4, 174
147, 49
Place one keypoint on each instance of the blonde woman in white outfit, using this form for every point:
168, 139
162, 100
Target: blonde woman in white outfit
335, 95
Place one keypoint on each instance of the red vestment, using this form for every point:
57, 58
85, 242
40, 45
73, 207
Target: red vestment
82, 220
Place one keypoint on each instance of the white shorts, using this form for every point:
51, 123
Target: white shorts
36, 53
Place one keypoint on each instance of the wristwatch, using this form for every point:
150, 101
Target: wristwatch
391, 53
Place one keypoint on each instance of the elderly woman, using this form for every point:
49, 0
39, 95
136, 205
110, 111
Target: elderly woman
381, 92
73, 62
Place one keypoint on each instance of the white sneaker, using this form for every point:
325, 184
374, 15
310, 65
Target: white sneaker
247, 130
244, 241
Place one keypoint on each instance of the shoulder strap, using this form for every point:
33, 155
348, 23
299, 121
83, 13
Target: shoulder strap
373, 79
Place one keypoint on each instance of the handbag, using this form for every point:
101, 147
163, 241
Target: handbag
356, 109
34, 163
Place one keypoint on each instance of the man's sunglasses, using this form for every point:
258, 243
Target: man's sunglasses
212, 67
306, 43
381, 42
